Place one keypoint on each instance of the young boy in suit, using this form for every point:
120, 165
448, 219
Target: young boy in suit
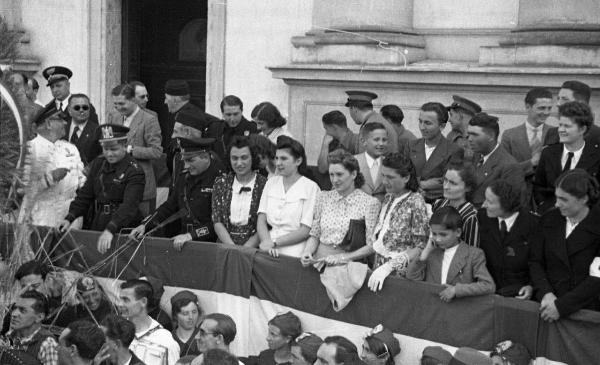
374, 139
448, 261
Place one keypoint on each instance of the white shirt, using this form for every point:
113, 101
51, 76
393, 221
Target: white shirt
372, 161
46, 202
65, 103
72, 128
154, 344
485, 158
287, 211
531, 130
279, 131
127, 121
448, 256
570, 227
510, 221
574, 160
240, 202
429, 151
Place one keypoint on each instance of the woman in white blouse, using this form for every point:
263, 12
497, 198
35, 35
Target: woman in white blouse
269, 121
336, 208
285, 213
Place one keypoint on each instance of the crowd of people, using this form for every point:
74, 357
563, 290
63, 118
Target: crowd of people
474, 211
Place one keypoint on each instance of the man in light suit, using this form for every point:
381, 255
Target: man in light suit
375, 143
430, 155
491, 160
143, 138
360, 105
524, 142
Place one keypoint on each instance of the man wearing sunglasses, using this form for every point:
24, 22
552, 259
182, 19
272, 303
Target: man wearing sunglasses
82, 131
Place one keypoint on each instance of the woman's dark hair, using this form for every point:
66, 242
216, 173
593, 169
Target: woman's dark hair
466, 171
241, 142
263, 146
578, 112
295, 149
378, 348
349, 162
579, 183
288, 324
448, 217
178, 304
508, 194
269, 114
404, 167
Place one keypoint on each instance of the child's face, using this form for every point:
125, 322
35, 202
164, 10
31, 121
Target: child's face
443, 237
376, 143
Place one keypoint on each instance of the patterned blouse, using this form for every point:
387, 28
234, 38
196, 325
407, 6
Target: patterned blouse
408, 228
333, 213
468, 213
221, 207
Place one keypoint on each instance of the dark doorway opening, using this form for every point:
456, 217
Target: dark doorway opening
162, 40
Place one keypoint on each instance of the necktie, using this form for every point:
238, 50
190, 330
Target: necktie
535, 143
569, 160
374, 170
60, 106
74, 136
503, 229
480, 161
245, 189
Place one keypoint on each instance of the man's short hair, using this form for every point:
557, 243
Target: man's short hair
225, 326
136, 83
142, 289
124, 89
581, 91
219, 357
579, 112
32, 267
78, 96
231, 100
537, 93
393, 113
34, 84
488, 123
40, 304
346, 351
439, 109
119, 328
370, 127
86, 336
335, 117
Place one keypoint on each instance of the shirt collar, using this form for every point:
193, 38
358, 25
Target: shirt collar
576, 152
236, 186
485, 158
24, 339
371, 160
137, 110
532, 128
450, 251
510, 221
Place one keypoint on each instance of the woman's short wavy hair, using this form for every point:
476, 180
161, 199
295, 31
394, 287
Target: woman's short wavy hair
403, 167
349, 162
241, 142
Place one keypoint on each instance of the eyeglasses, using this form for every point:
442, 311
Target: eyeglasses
81, 107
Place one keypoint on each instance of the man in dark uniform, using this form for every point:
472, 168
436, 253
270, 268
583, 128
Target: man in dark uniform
94, 306
58, 81
192, 196
177, 99
115, 188
460, 113
233, 124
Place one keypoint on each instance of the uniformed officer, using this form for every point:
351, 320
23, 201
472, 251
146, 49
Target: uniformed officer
192, 196
460, 113
115, 188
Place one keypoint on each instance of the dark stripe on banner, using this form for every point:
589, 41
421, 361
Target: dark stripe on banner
406, 307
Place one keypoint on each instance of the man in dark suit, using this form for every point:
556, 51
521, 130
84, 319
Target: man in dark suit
81, 131
573, 151
431, 153
177, 99
574, 91
60, 86
509, 231
492, 161
233, 124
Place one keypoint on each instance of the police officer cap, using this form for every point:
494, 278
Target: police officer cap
113, 132
86, 283
464, 103
193, 146
360, 97
48, 113
177, 87
56, 73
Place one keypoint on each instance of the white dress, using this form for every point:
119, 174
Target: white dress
275, 133
286, 211
46, 202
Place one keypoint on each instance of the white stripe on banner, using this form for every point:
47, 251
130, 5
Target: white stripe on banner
251, 317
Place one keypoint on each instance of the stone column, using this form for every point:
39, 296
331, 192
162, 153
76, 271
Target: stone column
551, 33
373, 32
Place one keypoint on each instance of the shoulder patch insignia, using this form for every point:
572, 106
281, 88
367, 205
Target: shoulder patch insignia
206, 190
202, 231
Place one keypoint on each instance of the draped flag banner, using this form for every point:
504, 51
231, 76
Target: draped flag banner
252, 287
